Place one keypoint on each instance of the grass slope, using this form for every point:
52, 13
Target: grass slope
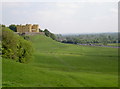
63, 65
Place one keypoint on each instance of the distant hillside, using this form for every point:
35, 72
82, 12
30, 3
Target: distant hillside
99, 38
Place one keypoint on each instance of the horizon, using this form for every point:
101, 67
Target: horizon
64, 17
88, 33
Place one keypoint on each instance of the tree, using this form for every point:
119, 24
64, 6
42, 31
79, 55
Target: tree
13, 27
104, 40
15, 47
9, 44
40, 30
25, 51
52, 36
3, 25
0, 33
47, 33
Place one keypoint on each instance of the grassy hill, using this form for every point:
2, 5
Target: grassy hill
63, 65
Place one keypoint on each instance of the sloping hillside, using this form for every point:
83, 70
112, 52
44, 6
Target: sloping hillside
63, 65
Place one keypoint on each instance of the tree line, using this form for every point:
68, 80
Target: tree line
100, 38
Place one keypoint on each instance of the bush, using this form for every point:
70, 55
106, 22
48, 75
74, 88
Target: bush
15, 47
49, 34
25, 50
13, 27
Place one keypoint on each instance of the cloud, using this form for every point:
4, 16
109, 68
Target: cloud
68, 5
60, 0
114, 10
0, 13
60, 11
61, 17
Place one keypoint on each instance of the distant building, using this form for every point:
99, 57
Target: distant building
27, 28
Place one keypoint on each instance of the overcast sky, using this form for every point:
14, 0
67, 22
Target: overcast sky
64, 17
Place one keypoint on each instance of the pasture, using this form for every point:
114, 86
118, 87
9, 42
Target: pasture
56, 64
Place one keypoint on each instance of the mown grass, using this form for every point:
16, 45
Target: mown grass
63, 65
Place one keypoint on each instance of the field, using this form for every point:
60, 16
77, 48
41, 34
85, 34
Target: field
56, 64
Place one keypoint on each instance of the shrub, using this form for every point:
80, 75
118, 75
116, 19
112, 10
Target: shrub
13, 27
25, 50
15, 47
49, 34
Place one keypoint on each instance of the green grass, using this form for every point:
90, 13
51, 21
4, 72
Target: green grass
63, 65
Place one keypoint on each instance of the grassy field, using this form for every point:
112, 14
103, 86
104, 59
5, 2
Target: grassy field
63, 65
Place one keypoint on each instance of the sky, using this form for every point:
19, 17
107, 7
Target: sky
62, 17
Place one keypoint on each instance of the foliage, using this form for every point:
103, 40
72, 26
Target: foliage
40, 30
0, 33
52, 36
15, 47
13, 27
49, 34
3, 25
100, 38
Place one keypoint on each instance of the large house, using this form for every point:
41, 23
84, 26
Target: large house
27, 28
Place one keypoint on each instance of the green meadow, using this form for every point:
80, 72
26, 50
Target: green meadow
56, 64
